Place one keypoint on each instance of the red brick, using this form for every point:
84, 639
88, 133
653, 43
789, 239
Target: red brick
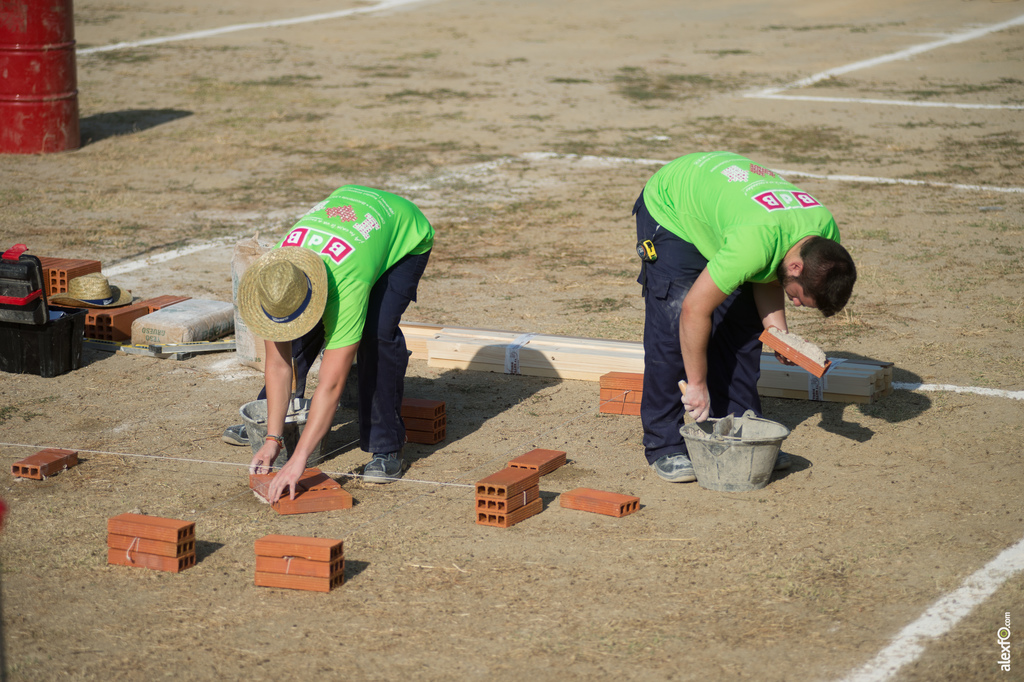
296, 566
623, 381
500, 520
314, 549
418, 408
425, 424
57, 272
507, 482
504, 505
151, 527
119, 557
161, 302
113, 324
599, 502
539, 460
611, 407
45, 463
147, 546
631, 408
792, 354
616, 395
299, 582
426, 437
314, 501
311, 480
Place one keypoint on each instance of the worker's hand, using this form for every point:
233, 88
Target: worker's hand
286, 479
784, 360
265, 457
696, 400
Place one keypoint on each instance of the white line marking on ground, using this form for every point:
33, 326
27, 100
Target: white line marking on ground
950, 388
130, 266
896, 102
942, 617
195, 35
617, 160
775, 93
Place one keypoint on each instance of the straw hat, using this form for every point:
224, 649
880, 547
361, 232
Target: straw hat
282, 295
92, 291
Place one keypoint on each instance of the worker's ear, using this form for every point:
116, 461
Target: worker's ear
795, 267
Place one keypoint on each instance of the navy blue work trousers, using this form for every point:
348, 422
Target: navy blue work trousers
734, 351
381, 359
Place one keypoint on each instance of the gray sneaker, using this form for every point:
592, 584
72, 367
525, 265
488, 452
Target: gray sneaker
675, 469
383, 468
783, 461
235, 435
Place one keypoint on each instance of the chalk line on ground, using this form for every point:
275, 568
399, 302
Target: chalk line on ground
209, 33
965, 36
942, 617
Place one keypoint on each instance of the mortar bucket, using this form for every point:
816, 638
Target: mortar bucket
254, 416
734, 454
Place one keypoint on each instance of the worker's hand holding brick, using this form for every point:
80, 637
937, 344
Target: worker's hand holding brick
696, 400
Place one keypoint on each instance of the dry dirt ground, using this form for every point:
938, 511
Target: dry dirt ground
521, 129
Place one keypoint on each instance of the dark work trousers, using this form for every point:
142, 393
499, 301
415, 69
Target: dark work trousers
734, 351
381, 359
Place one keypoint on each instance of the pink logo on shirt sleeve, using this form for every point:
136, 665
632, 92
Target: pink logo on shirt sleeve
296, 237
337, 249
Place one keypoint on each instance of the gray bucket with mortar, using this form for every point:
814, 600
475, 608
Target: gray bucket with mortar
734, 454
254, 416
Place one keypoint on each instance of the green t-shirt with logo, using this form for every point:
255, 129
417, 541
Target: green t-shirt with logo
360, 233
741, 216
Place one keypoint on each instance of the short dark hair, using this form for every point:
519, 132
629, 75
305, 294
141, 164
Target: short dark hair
828, 274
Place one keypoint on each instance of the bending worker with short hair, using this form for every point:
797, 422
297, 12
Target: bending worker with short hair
342, 277
724, 242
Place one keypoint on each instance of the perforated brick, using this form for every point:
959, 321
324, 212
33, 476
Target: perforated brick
298, 566
507, 482
312, 501
539, 460
599, 502
505, 520
419, 408
151, 527
120, 557
57, 272
147, 546
426, 437
504, 505
44, 463
299, 582
314, 549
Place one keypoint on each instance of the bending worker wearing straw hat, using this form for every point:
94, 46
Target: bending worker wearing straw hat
724, 242
342, 277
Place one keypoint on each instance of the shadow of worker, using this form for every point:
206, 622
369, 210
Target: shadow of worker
486, 374
881, 402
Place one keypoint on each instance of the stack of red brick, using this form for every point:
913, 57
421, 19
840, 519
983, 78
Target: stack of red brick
511, 495
45, 463
297, 563
621, 393
426, 421
314, 492
57, 272
151, 542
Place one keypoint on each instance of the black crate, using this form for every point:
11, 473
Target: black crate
48, 350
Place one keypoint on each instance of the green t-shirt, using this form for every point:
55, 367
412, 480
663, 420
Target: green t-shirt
360, 233
741, 216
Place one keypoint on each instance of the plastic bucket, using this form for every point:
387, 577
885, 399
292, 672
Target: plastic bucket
734, 454
254, 416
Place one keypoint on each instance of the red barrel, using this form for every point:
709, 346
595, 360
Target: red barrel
38, 81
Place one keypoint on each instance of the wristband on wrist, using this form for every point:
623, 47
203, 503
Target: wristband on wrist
278, 439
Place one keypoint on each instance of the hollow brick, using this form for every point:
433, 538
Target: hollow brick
151, 527
299, 582
505, 505
314, 549
147, 546
120, 557
507, 482
539, 460
299, 566
500, 520
419, 408
44, 463
313, 501
599, 502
